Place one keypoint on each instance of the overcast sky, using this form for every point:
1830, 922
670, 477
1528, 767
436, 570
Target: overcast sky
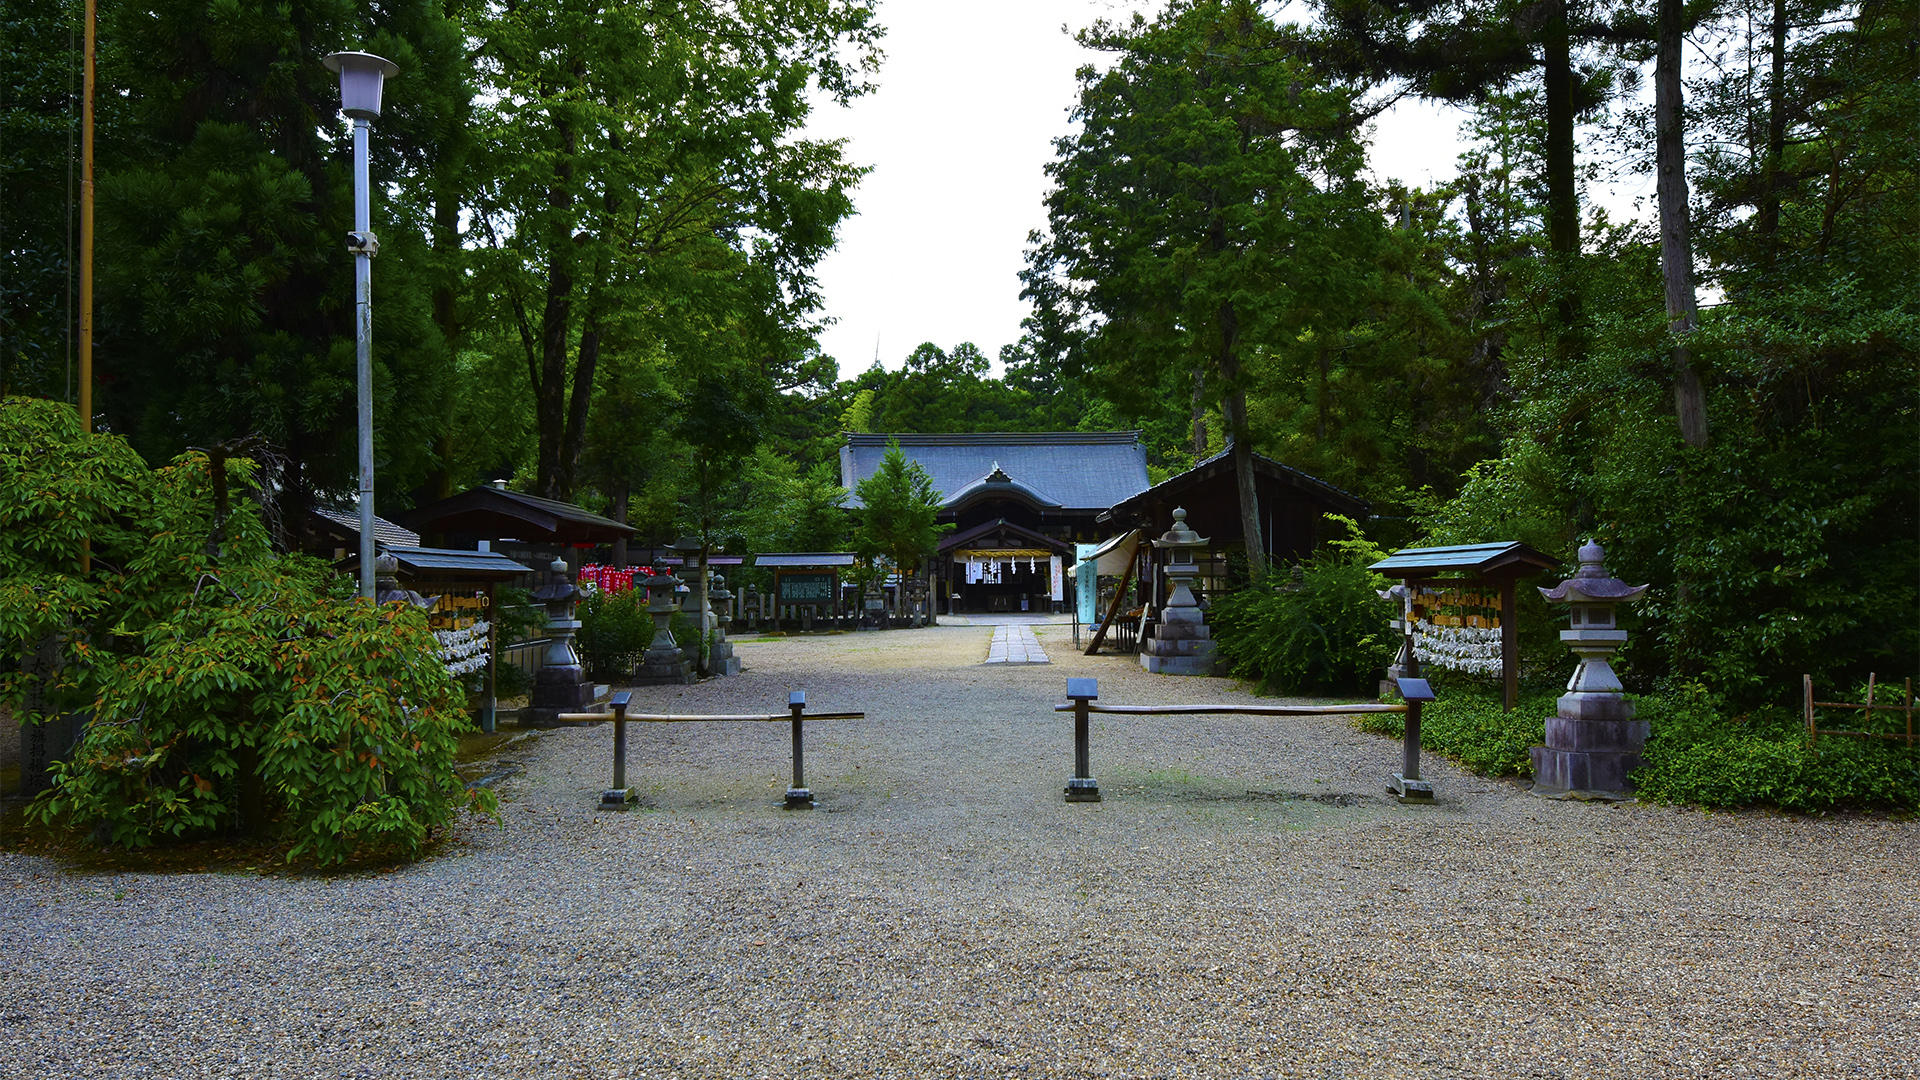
970, 98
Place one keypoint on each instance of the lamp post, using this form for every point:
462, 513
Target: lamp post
361, 78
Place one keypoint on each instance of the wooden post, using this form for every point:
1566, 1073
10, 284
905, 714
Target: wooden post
490, 707
1510, 642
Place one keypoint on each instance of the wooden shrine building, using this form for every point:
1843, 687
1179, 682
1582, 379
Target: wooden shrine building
1018, 502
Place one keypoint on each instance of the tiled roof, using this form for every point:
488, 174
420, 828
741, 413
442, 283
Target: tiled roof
1508, 555
385, 533
1080, 470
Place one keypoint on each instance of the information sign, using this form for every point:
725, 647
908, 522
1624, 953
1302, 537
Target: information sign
806, 588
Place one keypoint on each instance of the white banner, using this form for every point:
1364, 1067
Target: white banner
1059, 578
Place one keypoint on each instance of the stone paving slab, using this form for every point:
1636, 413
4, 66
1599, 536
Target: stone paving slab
1015, 644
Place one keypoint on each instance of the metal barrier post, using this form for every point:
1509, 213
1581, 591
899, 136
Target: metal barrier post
798, 797
1081, 786
1406, 784
619, 796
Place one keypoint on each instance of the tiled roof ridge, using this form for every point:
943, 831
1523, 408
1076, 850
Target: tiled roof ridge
987, 438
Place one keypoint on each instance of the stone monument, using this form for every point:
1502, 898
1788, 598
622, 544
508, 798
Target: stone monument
1594, 742
561, 685
1181, 644
663, 664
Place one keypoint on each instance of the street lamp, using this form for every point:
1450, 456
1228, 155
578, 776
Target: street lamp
361, 77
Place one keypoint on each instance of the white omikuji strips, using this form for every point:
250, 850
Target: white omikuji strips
1472, 649
464, 651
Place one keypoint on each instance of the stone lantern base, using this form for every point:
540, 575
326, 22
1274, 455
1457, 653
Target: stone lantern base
668, 666
1589, 758
1182, 644
557, 689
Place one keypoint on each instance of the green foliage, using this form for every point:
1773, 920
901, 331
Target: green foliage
226, 685
614, 630
1470, 725
897, 523
1702, 752
1328, 633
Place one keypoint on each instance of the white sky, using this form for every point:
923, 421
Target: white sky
970, 98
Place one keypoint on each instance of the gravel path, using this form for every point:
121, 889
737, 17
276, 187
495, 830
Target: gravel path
1245, 903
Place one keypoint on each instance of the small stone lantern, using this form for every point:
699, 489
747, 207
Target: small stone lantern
1181, 643
663, 663
1594, 743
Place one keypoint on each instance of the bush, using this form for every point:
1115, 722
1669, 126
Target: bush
1468, 725
226, 686
1699, 754
614, 630
1696, 754
1329, 633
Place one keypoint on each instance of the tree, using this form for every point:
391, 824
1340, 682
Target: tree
647, 186
224, 306
897, 520
1208, 207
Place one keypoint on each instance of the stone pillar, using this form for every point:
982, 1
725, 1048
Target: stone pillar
750, 609
663, 663
561, 684
720, 658
1594, 743
1181, 644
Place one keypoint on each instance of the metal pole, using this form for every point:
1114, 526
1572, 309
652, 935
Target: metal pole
86, 251
363, 349
1410, 752
798, 797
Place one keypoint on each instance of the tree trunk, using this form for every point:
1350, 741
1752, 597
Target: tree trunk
1199, 414
1234, 406
621, 493
1676, 247
1768, 219
1563, 192
550, 381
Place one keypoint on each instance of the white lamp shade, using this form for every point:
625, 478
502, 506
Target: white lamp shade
361, 77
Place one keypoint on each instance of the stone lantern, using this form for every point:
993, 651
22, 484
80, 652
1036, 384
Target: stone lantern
720, 658
1181, 643
561, 684
1594, 743
663, 663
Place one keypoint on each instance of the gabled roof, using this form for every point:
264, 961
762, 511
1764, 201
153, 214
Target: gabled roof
494, 514
1072, 470
1334, 499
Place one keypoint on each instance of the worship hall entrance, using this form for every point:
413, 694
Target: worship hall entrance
1000, 567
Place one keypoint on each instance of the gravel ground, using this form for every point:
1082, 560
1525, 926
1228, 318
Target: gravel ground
1245, 903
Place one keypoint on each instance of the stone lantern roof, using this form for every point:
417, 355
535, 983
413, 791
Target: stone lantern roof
1592, 584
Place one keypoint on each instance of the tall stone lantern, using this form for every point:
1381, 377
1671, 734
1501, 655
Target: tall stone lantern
561, 684
1181, 644
1594, 743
